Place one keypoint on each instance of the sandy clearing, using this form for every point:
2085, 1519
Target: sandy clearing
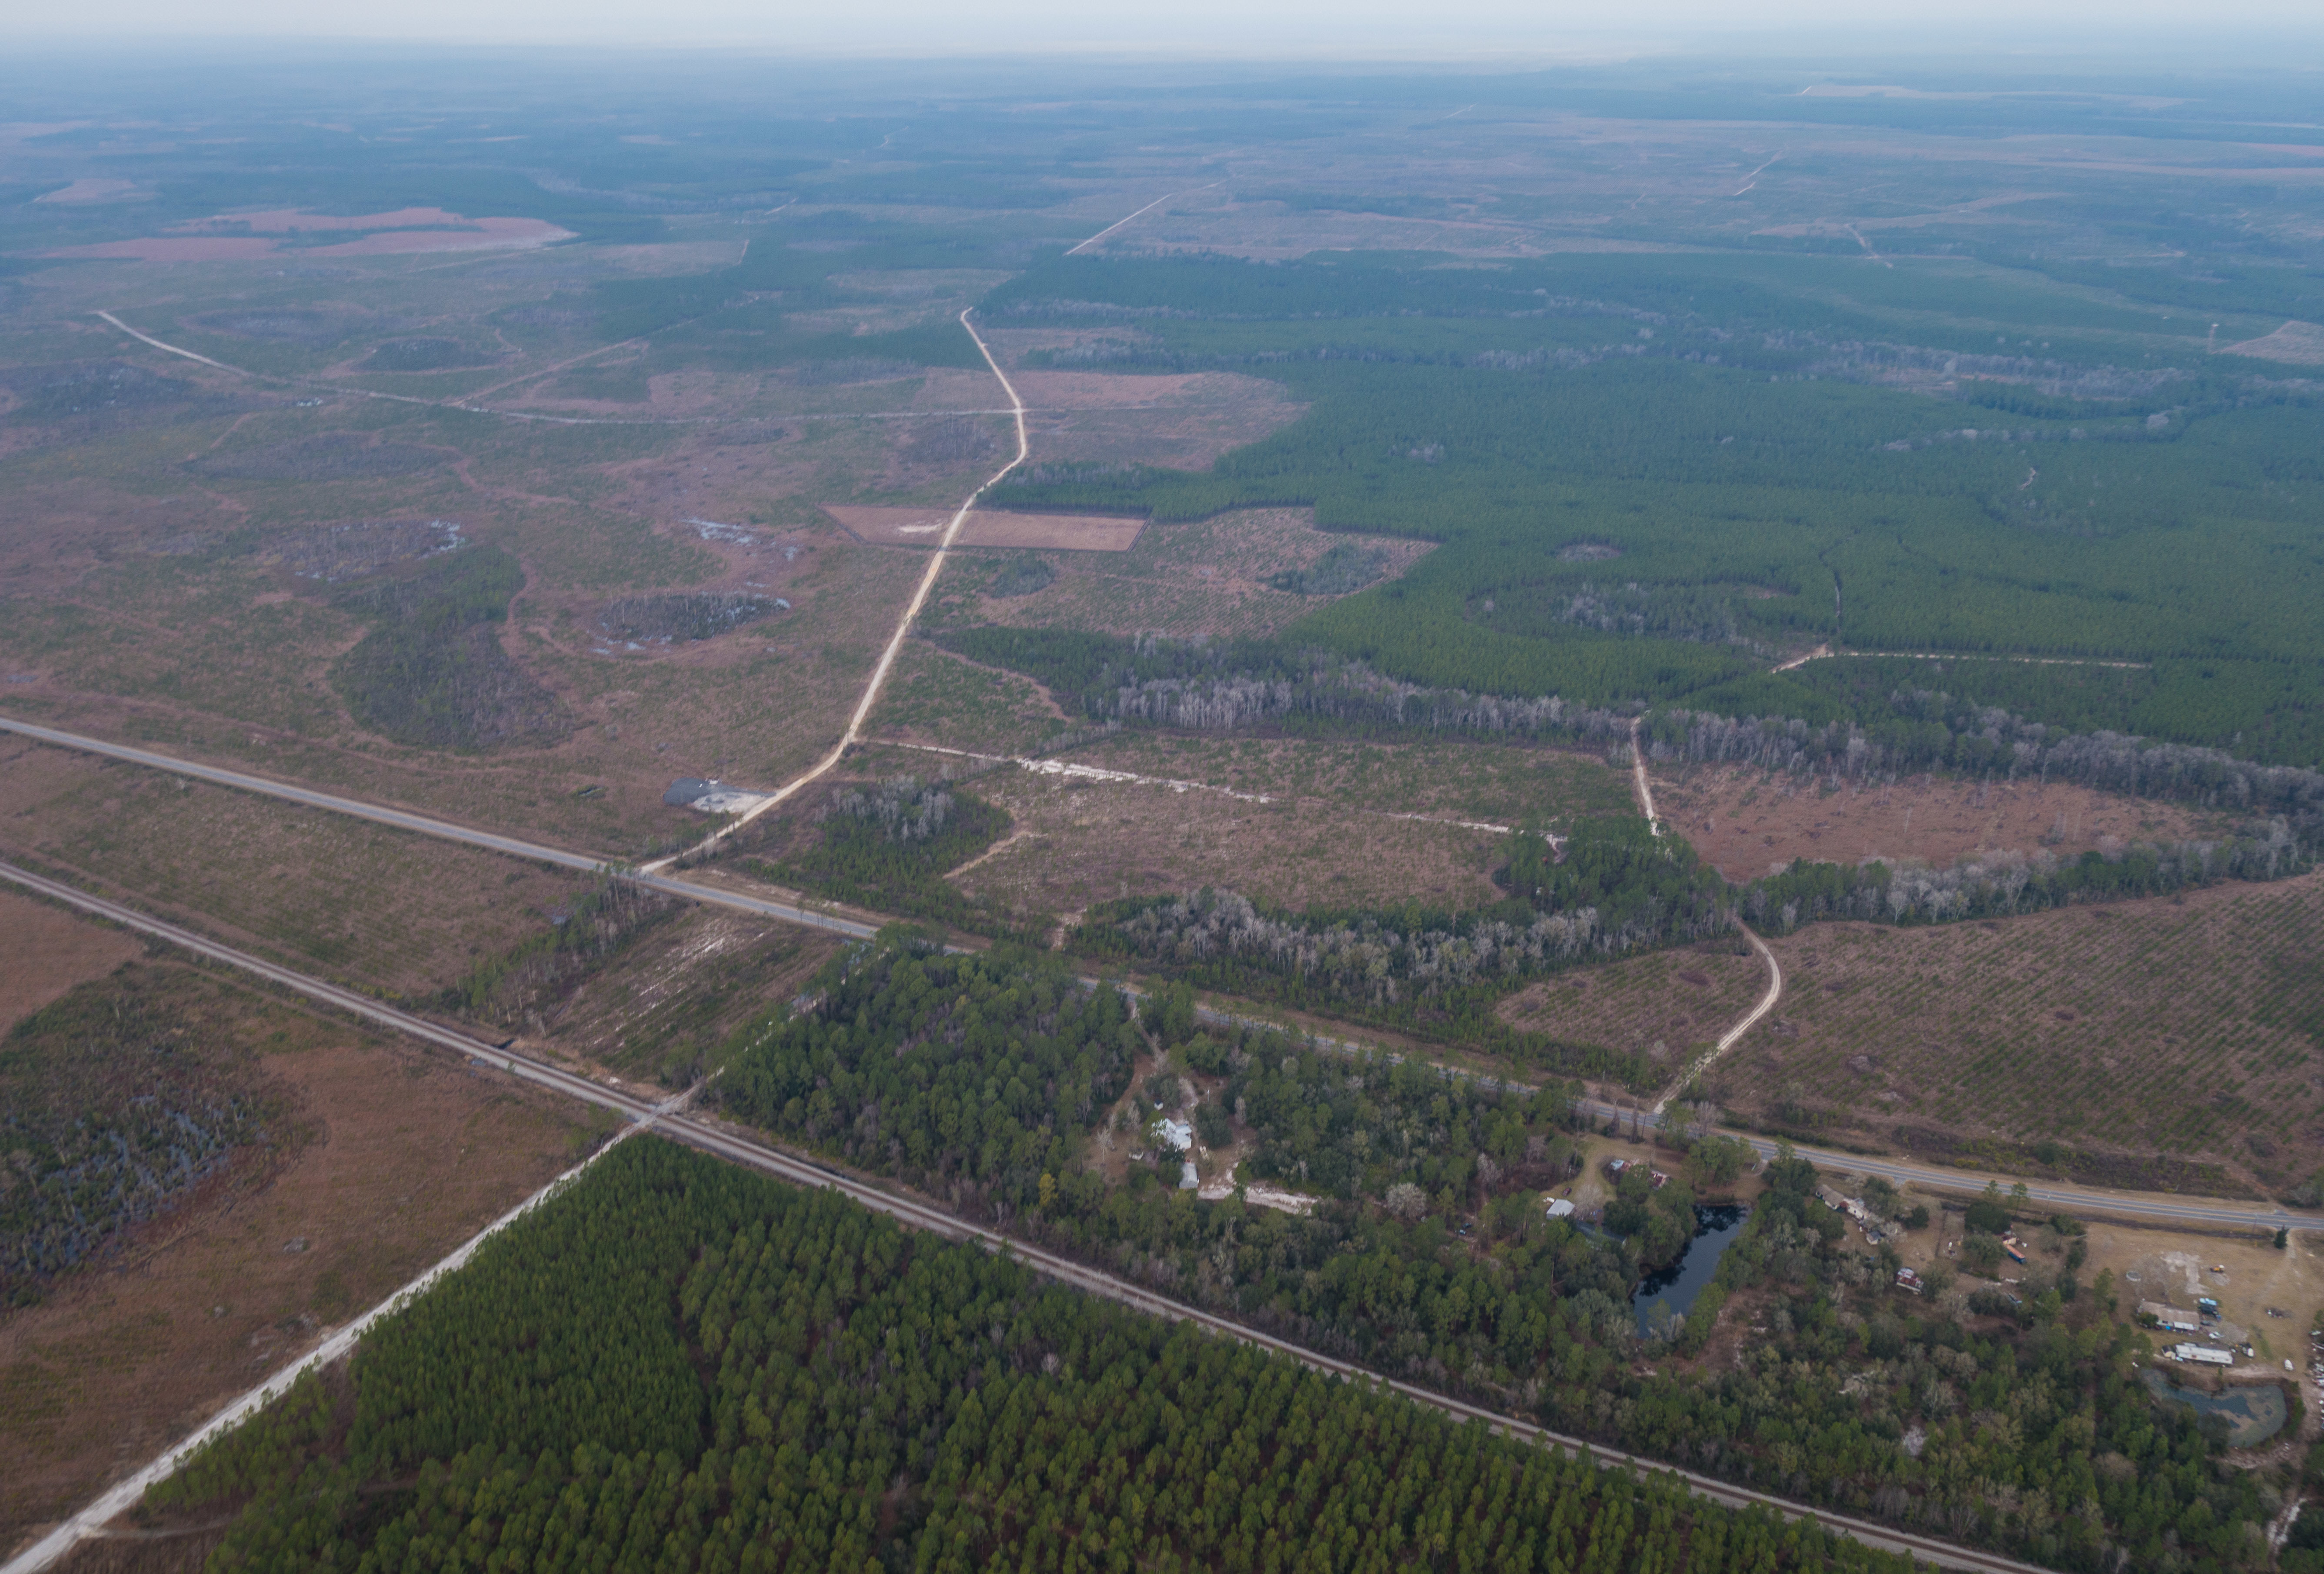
943, 542
48, 951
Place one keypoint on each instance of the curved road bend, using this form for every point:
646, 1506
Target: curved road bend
916, 1213
1767, 1002
2144, 1206
1729, 1039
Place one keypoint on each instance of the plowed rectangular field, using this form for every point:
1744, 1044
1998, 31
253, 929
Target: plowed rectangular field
924, 527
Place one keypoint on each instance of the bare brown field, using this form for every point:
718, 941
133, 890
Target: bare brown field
924, 527
54, 533
48, 951
1080, 841
2187, 1029
1208, 576
404, 1158
156, 600
935, 697
357, 902
1668, 1006
1183, 420
409, 230
240, 675
1748, 822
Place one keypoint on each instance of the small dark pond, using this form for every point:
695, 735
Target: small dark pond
1673, 1288
2253, 1413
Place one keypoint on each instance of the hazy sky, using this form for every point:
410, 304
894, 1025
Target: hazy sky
1451, 28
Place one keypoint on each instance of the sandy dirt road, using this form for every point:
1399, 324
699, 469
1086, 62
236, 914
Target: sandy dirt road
1733, 1035
886, 662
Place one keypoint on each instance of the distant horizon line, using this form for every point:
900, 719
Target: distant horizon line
2062, 48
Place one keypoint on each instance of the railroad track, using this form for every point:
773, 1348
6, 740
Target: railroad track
914, 1212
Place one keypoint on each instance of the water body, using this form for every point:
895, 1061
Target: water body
1673, 1288
2255, 1413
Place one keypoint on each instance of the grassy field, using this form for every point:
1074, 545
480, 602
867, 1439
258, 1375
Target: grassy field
1197, 577
362, 905
660, 1009
50, 950
1453, 778
1081, 841
381, 1160
162, 578
2188, 1030
1749, 822
1669, 1006
936, 697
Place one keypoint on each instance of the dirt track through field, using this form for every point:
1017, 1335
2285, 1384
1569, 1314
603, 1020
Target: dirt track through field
349, 390
886, 662
1768, 1001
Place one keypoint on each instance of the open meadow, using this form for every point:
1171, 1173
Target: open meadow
2161, 1041
1751, 822
382, 910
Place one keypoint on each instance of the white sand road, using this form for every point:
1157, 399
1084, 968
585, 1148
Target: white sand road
348, 391
669, 1117
879, 681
